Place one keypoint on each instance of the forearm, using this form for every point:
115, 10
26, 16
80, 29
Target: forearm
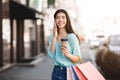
73, 58
53, 45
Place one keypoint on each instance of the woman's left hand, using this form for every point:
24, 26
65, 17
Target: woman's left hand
65, 50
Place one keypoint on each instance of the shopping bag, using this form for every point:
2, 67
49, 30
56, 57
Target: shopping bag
86, 71
74, 75
71, 75
80, 75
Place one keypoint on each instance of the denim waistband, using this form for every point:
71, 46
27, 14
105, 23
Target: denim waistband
60, 67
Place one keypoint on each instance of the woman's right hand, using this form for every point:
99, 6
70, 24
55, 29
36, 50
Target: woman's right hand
55, 32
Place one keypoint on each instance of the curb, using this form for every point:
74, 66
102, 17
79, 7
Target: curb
37, 60
31, 64
6, 67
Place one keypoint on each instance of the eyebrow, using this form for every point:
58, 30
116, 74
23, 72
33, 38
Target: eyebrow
60, 16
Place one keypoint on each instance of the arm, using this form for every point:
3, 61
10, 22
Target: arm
75, 56
50, 52
55, 34
53, 44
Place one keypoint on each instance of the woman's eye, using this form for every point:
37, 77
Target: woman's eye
63, 17
57, 18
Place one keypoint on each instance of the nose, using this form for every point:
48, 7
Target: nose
60, 19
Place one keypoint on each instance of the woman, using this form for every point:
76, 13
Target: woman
67, 55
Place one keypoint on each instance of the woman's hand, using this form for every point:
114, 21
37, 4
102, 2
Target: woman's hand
64, 49
55, 32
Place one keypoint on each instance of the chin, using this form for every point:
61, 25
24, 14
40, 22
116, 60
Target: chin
60, 27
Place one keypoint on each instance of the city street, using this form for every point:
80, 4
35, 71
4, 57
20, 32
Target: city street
26, 25
42, 70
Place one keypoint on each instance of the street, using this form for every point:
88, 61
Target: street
41, 71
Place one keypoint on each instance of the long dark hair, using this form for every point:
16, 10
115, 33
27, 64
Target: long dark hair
68, 26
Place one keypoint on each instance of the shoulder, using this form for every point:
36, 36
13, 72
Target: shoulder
73, 40
50, 37
72, 36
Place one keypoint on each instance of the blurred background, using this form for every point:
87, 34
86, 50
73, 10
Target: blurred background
25, 26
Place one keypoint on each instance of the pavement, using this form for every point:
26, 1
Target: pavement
41, 71
42, 68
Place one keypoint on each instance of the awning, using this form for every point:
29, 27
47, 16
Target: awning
19, 11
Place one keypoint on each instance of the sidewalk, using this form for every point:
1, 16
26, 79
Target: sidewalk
41, 71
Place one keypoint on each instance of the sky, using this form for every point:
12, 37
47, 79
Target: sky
100, 14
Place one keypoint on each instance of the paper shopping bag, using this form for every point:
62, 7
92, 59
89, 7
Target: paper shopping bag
79, 73
86, 71
74, 75
71, 75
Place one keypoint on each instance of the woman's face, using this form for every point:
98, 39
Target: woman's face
61, 20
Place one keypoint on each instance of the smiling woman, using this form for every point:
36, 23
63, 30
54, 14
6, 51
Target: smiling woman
68, 53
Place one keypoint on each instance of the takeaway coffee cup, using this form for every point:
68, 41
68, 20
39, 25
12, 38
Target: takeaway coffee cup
64, 41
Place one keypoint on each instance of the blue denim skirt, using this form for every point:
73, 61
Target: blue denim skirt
59, 73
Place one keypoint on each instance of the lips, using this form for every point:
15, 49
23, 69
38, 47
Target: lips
60, 23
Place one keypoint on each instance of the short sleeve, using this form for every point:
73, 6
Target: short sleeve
75, 46
50, 54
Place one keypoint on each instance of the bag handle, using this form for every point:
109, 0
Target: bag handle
81, 60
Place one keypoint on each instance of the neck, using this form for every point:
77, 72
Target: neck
62, 33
